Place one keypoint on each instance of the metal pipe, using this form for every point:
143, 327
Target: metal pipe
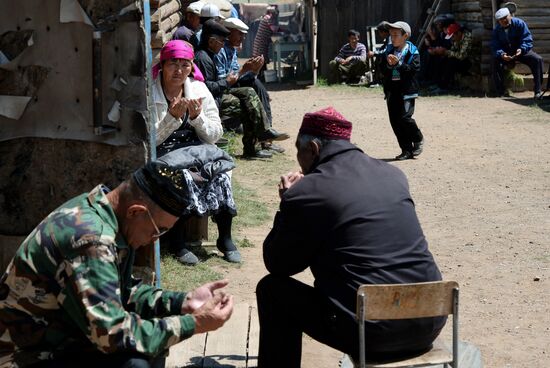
96, 84
151, 116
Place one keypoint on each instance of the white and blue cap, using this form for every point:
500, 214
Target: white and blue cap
235, 23
401, 25
502, 13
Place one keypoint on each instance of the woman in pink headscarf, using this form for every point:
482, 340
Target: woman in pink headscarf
187, 115
185, 109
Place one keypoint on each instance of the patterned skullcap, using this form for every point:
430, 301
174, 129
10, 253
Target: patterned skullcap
326, 123
165, 185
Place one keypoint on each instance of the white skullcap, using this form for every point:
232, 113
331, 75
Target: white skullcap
502, 13
235, 23
195, 7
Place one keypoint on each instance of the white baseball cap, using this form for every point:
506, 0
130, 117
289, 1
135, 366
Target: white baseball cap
235, 23
211, 11
502, 13
195, 7
401, 25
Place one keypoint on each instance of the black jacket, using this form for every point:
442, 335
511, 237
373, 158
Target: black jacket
205, 61
352, 221
408, 84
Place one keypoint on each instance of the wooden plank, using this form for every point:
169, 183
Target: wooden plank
226, 347
537, 22
188, 353
253, 338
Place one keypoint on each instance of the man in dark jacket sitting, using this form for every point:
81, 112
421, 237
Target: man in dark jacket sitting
511, 42
242, 102
350, 218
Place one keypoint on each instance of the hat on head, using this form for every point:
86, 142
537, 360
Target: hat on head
452, 29
165, 185
326, 123
401, 25
211, 27
211, 11
195, 7
502, 13
235, 23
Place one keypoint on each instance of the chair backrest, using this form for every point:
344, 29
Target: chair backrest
400, 301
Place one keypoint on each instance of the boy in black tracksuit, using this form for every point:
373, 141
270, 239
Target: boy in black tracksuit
399, 67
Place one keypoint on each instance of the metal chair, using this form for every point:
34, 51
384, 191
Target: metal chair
403, 301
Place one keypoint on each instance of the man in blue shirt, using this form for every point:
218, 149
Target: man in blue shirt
511, 42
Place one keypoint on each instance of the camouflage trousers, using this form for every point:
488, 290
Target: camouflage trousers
243, 103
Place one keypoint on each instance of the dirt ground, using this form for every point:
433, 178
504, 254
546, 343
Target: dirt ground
482, 194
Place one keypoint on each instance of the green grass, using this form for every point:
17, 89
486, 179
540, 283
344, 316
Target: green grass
175, 276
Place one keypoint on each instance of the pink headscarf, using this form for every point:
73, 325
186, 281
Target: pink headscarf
177, 49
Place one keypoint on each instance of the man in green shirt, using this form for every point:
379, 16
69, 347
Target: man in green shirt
68, 298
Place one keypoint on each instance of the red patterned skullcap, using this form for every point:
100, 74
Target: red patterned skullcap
326, 123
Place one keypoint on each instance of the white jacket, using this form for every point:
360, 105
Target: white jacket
207, 125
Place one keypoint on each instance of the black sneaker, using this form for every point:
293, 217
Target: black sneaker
418, 148
272, 147
539, 95
272, 135
258, 154
405, 155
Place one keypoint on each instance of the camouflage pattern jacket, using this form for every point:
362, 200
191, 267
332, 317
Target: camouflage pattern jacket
70, 288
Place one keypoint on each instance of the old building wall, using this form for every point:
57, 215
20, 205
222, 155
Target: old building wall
50, 149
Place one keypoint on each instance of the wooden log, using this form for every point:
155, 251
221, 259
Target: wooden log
532, 3
465, 7
469, 17
157, 3
472, 6
165, 11
159, 38
537, 22
167, 24
523, 12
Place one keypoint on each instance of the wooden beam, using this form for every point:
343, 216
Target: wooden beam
227, 346
165, 11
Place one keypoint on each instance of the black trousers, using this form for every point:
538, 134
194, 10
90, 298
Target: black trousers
531, 59
450, 67
287, 308
98, 359
404, 126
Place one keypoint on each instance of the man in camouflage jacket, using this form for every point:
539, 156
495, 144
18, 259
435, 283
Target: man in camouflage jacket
68, 297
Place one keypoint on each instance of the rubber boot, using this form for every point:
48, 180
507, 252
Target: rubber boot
225, 244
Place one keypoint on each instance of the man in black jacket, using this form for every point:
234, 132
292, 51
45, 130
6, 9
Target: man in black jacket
351, 219
242, 102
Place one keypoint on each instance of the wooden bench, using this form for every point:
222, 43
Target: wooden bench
233, 345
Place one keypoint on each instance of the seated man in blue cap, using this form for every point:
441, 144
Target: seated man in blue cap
68, 298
